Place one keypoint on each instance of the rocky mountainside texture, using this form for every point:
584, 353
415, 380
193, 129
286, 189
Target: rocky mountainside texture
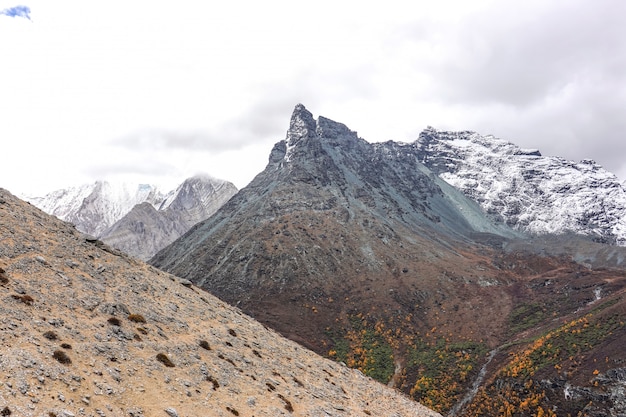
361, 253
528, 191
137, 219
86, 331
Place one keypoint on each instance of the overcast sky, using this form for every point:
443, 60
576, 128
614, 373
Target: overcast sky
158, 91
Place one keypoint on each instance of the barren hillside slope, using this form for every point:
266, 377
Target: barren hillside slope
86, 331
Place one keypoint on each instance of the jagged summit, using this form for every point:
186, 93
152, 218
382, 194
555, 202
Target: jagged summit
305, 132
301, 125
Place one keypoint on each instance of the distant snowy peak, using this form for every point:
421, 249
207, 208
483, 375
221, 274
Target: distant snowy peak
203, 188
139, 219
530, 192
92, 208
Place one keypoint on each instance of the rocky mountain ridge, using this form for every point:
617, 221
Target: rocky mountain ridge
528, 191
137, 219
363, 254
88, 331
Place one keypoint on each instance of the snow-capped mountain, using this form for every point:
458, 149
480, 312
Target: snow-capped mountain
93, 208
530, 192
138, 219
145, 230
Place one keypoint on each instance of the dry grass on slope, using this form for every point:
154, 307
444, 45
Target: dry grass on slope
86, 331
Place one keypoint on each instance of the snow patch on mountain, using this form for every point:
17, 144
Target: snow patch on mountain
530, 192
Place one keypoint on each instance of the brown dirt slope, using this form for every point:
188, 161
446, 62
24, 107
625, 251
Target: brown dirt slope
86, 331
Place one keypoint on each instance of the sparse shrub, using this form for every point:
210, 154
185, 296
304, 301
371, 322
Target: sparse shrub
114, 321
137, 337
3, 278
26, 299
232, 332
142, 330
5, 411
52, 414
162, 357
66, 346
229, 360
205, 345
136, 318
288, 405
232, 410
60, 356
270, 387
50, 335
212, 380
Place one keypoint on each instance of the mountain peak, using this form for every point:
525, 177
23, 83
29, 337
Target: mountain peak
302, 125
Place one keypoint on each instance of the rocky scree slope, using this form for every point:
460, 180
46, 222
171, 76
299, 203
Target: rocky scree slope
88, 331
361, 253
528, 191
137, 219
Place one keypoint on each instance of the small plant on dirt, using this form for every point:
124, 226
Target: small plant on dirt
114, 321
60, 356
3, 278
212, 380
136, 318
142, 330
26, 299
288, 405
5, 412
205, 345
50, 335
162, 357
233, 411
66, 346
232, 332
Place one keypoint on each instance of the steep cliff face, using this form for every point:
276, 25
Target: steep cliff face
528, 191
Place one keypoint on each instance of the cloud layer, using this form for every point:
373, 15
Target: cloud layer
170, 89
